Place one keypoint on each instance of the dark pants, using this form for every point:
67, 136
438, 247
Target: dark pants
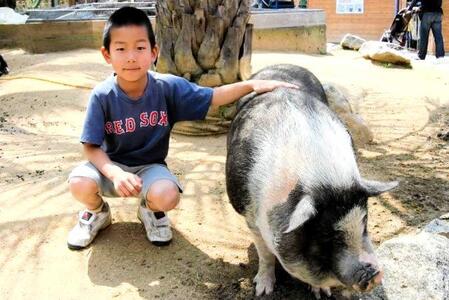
430, 20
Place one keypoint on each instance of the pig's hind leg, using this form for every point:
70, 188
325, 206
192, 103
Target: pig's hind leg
265, 277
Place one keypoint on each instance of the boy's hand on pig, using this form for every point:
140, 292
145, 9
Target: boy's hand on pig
263, 86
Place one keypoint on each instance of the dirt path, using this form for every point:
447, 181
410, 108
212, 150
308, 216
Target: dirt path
212, 256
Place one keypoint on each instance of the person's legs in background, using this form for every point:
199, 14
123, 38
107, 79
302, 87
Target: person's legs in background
424, 29
437, 34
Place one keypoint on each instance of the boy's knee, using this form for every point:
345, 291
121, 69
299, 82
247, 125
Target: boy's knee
163, 195
80, 186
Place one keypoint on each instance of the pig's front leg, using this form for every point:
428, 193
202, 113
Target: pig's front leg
265, 277
317, 291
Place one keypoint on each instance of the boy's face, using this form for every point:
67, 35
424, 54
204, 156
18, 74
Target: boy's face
130, 52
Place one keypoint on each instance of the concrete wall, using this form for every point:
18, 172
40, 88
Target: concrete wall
281, 30
52, 36
49, 37
311, 39
289, 30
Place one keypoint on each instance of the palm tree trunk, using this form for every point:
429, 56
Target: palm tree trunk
207, 42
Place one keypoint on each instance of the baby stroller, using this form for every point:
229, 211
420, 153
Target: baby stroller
399, 29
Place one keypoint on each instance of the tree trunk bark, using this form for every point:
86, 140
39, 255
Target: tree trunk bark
207, 42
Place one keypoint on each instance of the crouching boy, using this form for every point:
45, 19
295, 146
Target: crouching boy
127, 128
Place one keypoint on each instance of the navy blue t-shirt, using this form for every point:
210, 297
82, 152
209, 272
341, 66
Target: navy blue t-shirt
428, 5
136, 132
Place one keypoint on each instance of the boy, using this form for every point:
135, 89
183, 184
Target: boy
127, 127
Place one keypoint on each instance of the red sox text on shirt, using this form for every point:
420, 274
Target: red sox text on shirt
154, 118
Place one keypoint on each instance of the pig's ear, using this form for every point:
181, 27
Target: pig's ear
304, 210
374, 188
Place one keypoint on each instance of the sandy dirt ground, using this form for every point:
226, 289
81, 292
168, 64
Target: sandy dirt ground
212, 256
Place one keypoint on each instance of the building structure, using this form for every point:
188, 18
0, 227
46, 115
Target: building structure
366, 18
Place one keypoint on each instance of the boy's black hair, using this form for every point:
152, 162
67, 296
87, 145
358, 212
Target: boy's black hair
124, 16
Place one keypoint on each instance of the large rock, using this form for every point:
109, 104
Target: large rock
439, 226
416, 266
337, 99
360, 132
352, 42
384, 52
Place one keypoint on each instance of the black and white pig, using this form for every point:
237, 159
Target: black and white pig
3, 67
291, 171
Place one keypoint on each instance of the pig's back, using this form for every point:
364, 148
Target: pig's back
303, 78
283, 138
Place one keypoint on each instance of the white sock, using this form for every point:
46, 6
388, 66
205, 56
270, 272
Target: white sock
98, 209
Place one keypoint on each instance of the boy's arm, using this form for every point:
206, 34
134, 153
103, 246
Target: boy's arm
101, 160
126, 184
231, 92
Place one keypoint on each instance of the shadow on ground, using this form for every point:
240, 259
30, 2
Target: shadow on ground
422, 170
158, 272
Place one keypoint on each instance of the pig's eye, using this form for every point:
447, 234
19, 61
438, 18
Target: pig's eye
120, 49
141, 48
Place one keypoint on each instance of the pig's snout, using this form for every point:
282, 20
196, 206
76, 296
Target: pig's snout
368, 277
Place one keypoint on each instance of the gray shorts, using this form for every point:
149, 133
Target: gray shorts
148, 173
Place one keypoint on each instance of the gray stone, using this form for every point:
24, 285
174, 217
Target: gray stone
337, 100
352, 42
439, 226
415, 266
360, 132
384, 52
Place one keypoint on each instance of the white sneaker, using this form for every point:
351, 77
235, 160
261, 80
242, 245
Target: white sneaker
158, 230
89, 224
